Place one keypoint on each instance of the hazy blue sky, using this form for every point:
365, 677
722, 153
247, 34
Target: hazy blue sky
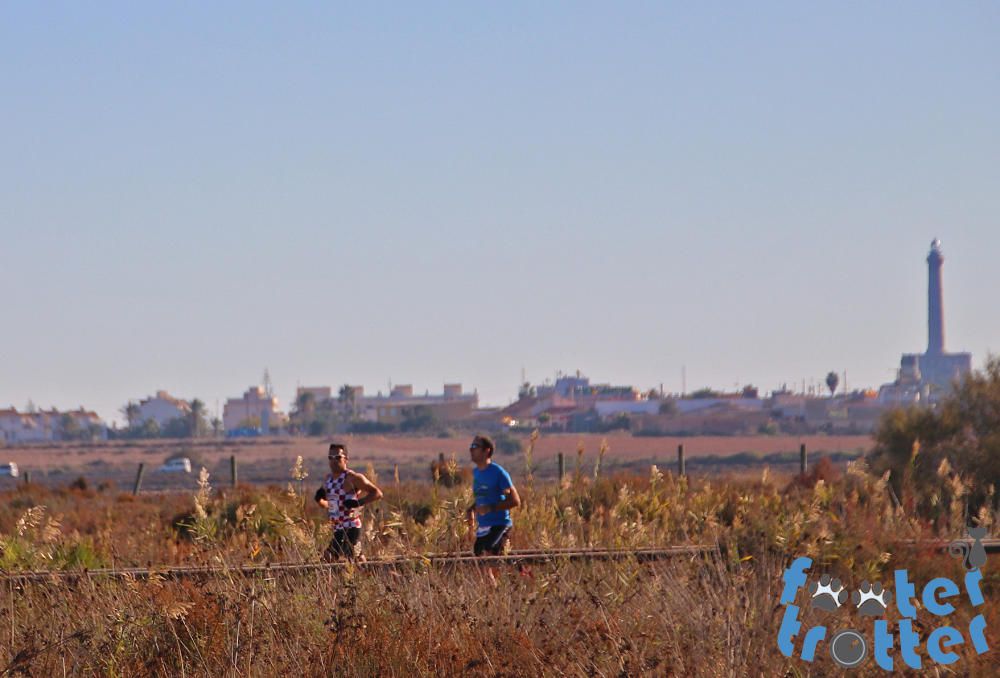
431, 192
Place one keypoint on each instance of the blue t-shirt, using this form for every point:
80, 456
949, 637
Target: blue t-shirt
491, 486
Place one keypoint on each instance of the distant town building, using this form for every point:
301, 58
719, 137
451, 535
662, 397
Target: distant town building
452, 405
318, 393
579, 389
613, 408
718, 416
730, 402
788, 405
574, 404
255, 410
908, 389
50, 425
162, 408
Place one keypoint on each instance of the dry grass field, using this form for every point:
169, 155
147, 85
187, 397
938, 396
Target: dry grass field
266, 460
715, 615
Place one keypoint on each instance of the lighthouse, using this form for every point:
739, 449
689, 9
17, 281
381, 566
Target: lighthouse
935, 302
936, 370
926, 377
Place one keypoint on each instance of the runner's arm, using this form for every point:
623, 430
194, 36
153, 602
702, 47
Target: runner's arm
363, 485
320, 497
513, 500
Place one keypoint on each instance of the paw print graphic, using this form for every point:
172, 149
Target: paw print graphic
827, 595
871, 601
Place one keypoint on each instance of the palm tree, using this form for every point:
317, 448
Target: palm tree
832, 380
305, 405
347, 401
131, 412
198, 425
68, 427
305, 410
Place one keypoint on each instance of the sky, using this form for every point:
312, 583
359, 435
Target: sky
422, 193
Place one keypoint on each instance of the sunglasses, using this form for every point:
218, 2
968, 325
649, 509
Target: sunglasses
336, 456
475, 446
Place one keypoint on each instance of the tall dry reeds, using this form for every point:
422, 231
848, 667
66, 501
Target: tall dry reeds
696, 615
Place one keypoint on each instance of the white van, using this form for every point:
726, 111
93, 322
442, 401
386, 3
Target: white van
176, 465
9, 470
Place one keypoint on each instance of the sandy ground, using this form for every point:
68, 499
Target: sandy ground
268, 460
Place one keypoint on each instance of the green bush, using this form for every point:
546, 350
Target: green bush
951, 453
507, 444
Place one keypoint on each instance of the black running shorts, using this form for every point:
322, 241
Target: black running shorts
493, 542
345, 544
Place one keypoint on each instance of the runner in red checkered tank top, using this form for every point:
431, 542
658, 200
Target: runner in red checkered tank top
343, 494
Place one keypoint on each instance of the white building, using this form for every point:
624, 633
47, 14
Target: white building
613, 408
451, 405
21, 427
162, 408
45, 425
691, 405
254, 410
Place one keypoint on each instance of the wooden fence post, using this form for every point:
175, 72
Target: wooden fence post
802, 459
232, 468
681, 471
138, 479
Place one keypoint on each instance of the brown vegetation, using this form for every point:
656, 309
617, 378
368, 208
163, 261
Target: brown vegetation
715, 615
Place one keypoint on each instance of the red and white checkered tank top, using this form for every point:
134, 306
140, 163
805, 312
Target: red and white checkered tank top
341, 518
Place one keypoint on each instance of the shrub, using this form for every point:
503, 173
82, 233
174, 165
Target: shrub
370, 427
507, 444
449, 473
926, 450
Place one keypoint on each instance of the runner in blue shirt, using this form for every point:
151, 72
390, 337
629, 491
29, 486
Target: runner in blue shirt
495, 496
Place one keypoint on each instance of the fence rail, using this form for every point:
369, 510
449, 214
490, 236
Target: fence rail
520, 556
526, 556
